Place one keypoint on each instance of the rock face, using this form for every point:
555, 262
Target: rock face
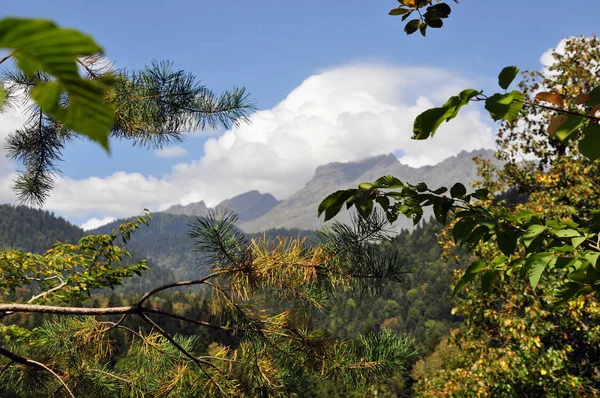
250, 205
300, 209
193, 209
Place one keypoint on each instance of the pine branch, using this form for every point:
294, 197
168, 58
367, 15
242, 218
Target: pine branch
28, 362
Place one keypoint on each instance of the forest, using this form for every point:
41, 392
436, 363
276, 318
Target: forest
492, 293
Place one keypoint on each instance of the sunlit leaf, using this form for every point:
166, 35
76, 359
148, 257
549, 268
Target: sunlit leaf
505, 106
553, 98
427, 123
41, 46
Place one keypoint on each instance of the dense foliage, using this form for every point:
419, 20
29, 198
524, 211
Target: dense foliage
34, 230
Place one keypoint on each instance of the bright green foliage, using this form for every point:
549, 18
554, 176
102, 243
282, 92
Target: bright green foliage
511, 345
428, 122
41, 47
530, 244
67, 272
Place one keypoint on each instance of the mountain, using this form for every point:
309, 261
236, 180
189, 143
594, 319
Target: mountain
193, 209
33, 230
250, 205
300, 209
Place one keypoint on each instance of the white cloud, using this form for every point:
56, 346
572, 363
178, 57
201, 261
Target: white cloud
171, 152
547, 58
11, 119
340, 114
94, 223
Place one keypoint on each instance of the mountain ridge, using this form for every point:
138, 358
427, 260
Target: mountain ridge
300, 209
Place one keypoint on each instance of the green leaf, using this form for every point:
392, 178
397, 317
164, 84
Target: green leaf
90, 118
505, 106
565, 294
487, 280
388, 182
578, 241
532, 232
469, 274
333, 203
481, 194
537, 264
441, 208
570, 126
427, 123
592, 256
364, 205
41, 46
365, 186
589, 146
423, 29
567, 233
585, 275
421, 187
507, 241
476, 236
442, 10
383, 201
507, 76
435, 23
412, 26
440, 190
458, 190
462, 229
399, 11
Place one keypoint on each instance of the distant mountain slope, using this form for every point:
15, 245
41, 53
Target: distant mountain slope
167, 244
193, 209
33, 230
249, 205
300, 209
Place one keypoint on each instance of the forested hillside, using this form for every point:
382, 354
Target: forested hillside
420, 309
34, 230
167, 243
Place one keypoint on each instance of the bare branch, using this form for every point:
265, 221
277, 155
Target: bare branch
172, 285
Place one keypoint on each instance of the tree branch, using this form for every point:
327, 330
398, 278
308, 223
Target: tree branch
28, 362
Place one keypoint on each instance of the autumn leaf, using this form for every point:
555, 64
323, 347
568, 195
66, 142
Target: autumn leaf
552, 98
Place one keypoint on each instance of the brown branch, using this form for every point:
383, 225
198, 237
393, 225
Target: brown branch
191, 320
559, 110
28, 362
175, 284
56, 310
10, 55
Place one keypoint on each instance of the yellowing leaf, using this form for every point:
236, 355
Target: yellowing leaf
555, 124
552, 98
543, 371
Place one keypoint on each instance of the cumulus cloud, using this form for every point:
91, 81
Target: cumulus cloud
94, 223
172, 152
340, 114
547, 59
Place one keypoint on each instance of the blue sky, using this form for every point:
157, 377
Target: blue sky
272, 47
